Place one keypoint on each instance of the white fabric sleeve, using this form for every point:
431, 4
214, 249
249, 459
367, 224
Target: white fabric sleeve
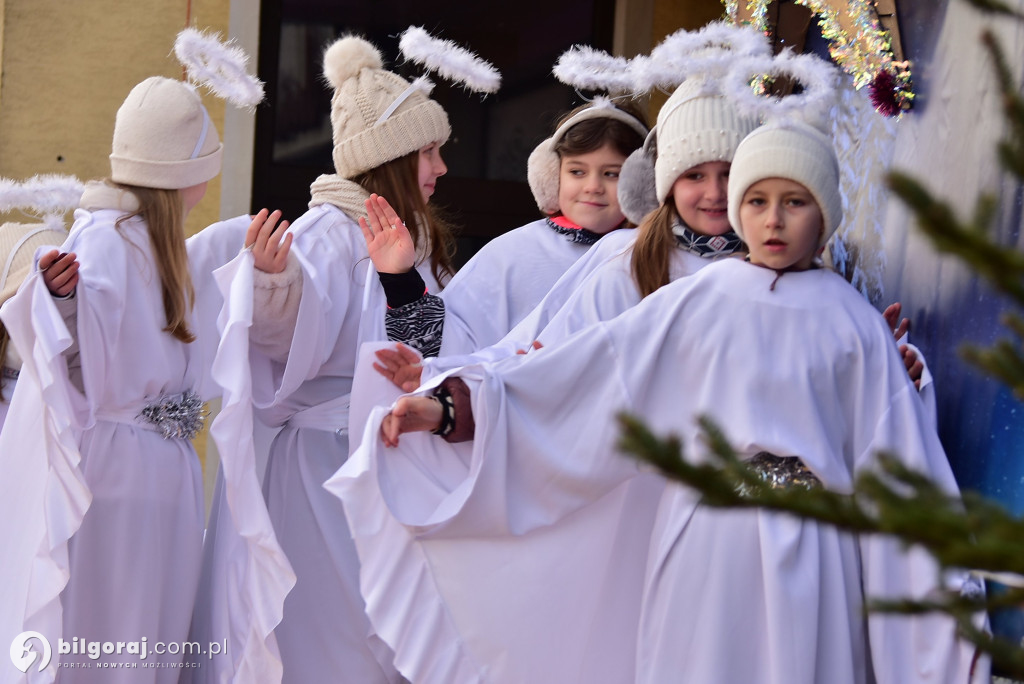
276, 298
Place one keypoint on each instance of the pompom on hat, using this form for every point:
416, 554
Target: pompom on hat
696, 125
793, 150
164, 138
376, 115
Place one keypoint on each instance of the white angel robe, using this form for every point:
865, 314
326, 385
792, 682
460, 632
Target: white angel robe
123, 527
324, 634
611, 529
502, 283
808, 370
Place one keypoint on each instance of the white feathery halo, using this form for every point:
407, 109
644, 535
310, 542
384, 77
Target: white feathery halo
587, 68
708, 52
219, 66
818, 78
455, 63
46, 194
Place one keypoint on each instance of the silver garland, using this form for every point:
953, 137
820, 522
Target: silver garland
177, 416
781, 473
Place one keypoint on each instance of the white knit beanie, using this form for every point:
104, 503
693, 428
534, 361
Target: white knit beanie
164, 138
696, 125
793, 150
376, 115
543, 166
18, 244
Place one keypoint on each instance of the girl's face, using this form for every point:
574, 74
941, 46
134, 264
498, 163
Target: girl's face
700, 199
588, 189
782, 224
192, 195
431, 167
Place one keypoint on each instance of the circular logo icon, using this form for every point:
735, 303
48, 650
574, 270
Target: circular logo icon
23, 654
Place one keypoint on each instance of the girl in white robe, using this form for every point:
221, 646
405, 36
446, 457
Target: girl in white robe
551, 572
574, 177
803, 376
118, 370
306, 327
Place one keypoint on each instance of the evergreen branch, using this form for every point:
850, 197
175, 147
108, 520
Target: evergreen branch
1002, 267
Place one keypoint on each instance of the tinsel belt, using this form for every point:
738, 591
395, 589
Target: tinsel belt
174, 416
781, 472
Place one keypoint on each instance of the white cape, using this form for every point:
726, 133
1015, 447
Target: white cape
807, 370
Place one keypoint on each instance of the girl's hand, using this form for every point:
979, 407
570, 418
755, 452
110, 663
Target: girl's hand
892, 317
269, 241
387, 239
60, 272
411, 414
915, 369
401, 366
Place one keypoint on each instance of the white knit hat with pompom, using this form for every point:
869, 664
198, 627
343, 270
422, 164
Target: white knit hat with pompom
376, 115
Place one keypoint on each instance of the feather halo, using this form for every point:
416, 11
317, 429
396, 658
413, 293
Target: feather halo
818, 78
709, 52
46, 194
587, 68
449, 60
219, 66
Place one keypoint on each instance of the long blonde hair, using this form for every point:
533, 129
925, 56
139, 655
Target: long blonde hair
653, 247
163, 211
398, 182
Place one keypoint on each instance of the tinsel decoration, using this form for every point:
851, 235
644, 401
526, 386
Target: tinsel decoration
449, 60
864, 50
176, 416
219, 66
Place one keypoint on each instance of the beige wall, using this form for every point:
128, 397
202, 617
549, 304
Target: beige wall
66, 67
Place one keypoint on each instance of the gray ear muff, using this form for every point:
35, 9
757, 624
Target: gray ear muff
637, 195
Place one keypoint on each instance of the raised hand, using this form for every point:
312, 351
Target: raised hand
892, 317
60, 272
269, 241
914, 366
410, 414
387, 239
401, 366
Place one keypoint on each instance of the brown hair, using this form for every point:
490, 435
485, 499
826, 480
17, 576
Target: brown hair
164, 214
591, 134
652, 248
397, 181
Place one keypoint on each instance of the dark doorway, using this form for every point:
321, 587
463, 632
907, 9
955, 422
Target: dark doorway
485, 192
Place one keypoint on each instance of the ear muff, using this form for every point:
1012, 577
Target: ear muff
542, 170
637, 196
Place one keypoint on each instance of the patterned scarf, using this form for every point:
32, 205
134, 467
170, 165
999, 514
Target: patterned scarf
570, 230
707, 246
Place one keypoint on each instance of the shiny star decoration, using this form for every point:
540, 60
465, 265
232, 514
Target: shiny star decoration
857, 43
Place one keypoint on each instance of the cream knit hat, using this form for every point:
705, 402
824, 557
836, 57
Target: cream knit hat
793, 150
164, 138
18, 244
543, 166
696, 125
376, 115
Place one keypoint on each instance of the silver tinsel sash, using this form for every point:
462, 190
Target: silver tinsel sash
175, 416
781, 472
